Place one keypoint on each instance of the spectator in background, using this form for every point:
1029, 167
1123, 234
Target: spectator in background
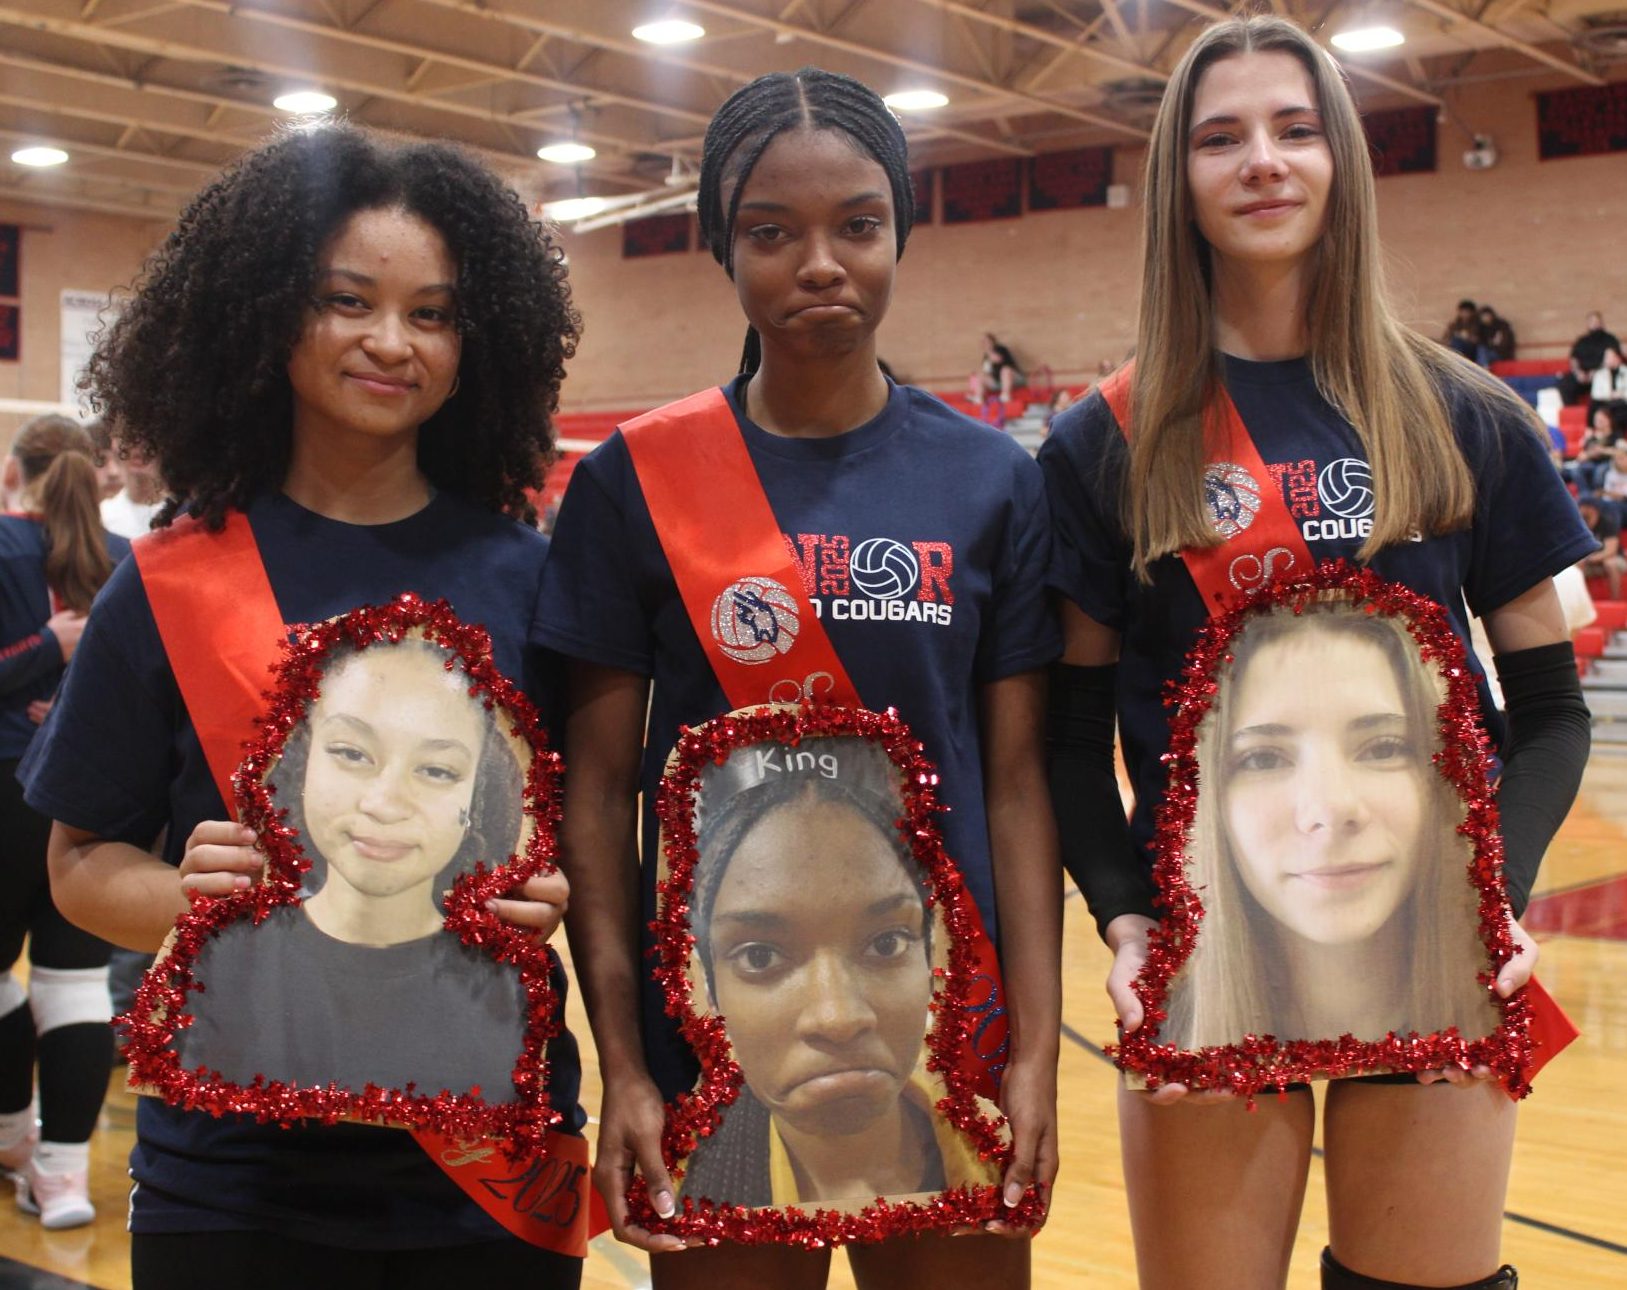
1615, 477
1496, 338
1609, 380
129, 512
1603, 519
1593, 455
1463, 332
1061, 401
1587, 356
999, 374
109, 469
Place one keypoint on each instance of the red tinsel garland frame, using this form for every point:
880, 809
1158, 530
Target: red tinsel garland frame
1260, 1062
159, 1010
697, 1114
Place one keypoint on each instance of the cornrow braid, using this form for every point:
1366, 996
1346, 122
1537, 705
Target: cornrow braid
758, 113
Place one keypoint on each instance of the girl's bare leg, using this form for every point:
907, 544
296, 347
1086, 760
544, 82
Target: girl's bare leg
1215, 1189
1417, 1177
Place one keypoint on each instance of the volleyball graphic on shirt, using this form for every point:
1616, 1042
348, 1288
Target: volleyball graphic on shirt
1346, 488
1232, 496
754, 620
883, 568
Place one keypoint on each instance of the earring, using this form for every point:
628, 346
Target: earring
463, 818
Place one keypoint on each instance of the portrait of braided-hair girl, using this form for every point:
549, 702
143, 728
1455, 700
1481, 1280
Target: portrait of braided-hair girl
1335, 887
396, 783
824, 988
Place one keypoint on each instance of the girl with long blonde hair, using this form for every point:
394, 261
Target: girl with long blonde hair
1263, 307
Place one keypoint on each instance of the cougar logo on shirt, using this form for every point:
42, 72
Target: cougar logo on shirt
876, 579
754, 620
1232, 496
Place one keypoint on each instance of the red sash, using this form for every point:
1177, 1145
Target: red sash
745, 599
1261, 542
221, 628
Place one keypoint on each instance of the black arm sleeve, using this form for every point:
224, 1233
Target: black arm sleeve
1095, 836
1549, 733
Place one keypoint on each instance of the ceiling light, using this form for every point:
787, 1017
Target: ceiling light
567, 153
1360, 39
668, 31
39, 156
915, 100
573, 208
305, 102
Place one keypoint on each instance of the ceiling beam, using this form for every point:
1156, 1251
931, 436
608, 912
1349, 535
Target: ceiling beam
1018, 28
1458, 18
1033, 102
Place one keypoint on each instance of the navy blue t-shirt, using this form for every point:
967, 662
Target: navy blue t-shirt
1526, 528
922, 538
30, 655
119, 758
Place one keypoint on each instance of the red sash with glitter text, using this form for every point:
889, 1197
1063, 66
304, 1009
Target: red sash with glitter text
1262, 542
221, 628
745, 598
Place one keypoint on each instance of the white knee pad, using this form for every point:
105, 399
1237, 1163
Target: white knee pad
12, 995
68, 996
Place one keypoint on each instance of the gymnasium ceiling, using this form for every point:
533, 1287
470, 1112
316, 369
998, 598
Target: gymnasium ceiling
151, 97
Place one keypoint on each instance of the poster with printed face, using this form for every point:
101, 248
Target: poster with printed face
1327, 889
805, 945
398, 792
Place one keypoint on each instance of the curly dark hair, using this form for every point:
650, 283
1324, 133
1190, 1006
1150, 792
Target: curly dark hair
194, 371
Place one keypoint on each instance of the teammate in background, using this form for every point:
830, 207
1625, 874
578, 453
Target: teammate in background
130, 511
54, 557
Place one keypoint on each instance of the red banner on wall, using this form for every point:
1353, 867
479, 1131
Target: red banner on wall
655, 235
925, 190
1583, 122
980, 190
11, 240
1402, 141
1065, 180
11, 329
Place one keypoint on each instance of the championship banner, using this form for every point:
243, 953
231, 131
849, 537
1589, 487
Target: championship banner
818, 948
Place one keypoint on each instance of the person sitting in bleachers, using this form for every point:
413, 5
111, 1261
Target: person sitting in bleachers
1603, 518
1496, 338
1593, 453
1587, 356
1463, 332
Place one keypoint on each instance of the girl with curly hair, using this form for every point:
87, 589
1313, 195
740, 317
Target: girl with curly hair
349, 349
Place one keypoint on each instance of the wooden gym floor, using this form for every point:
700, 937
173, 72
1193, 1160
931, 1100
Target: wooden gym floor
1566, 1223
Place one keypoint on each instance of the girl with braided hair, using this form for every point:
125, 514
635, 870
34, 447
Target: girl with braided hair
343, 360
918, 541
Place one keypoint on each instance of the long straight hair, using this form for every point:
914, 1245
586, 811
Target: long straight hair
1389, 382
1238, 979
57, 458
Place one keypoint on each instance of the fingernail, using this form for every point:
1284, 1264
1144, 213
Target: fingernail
490, 906
664, 1205
1014, 1194
241, 882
